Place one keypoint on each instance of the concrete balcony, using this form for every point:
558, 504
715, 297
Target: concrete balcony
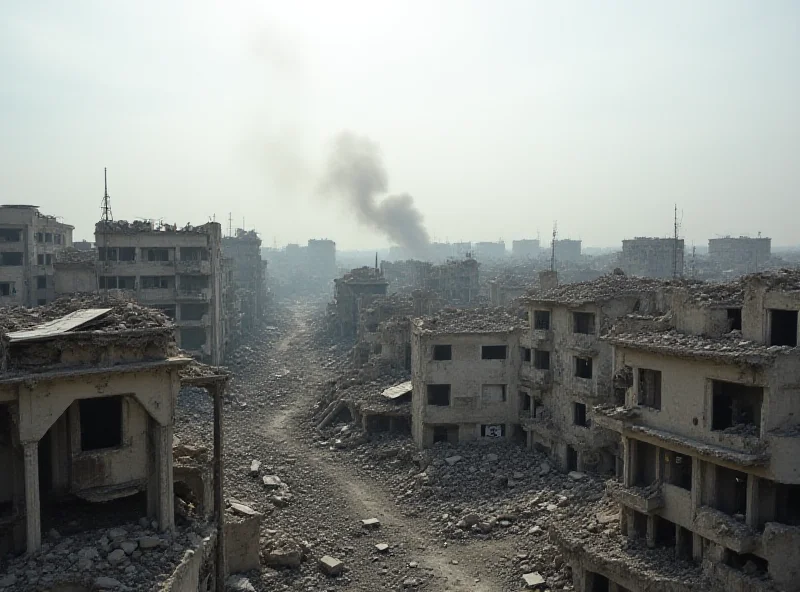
146, 295
193, 267
204, 322
785, 452
642, 499
538, 379
541, 337
193, 295
725, 530
582, 387
582, 342
544, 427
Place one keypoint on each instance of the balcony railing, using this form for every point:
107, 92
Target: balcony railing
642, 499
193, 267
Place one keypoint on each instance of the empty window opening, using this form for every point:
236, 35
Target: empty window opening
150, 282
679, 470
168, 310
10, 235
736, 407
48, 237
493, 393
493, 431
649, 394
39, 259
640, 524
787, 504
193, 283
156, 254
541, 448
731, 491
541, 320
572, 459
734, 319
747, 562
11, 259
407, 360
194, 254
41, 282
127, 254
126, 282
685, 550
493, 352
583, 367
439, 395
193, 312
583, 322
541, 359
598, 582
646, 459
783, 327
524, 401
193, 338
525, 354
40, 237
445, 433
442, 352
6, 288
48, 259
665, 532
107, 282
107, 254
101, 422
579, 415
41, 301
57, 238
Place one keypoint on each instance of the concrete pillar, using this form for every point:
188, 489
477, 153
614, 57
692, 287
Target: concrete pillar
629, 460
631, 520
659, 464
751, 514
681, 542
651, 531
709, 484
33, 516
697, 547
697, 485
623, 521
165, 510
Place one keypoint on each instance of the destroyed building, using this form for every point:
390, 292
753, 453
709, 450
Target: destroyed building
739, 255
176, 270
75, 272
652, 257
29, 242
711, 437
455, 282
465, 376
351, 294
248, 275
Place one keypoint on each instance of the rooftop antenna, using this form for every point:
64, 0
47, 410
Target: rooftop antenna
553, 247
106, 217
106, 207
376, 260
693, 260
230, 224
676, 227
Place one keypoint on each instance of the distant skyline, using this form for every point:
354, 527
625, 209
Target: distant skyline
498, 118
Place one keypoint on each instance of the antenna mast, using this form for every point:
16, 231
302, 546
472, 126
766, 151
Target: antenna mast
675, 245
106, 206
553, 247
105, 218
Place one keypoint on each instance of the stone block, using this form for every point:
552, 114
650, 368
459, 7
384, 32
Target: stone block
331, 566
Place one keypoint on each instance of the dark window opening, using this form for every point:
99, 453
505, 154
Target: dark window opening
541, 359
493, 431
665, 532
747, 562
407, 360
6, 288
679, 470
194, 254
686, 548
41, 301
127, 254
640, 524
736, 407
41, 282
649, 394
541, 320
126, 282
101, 423
40, 237
5, 426
646, 459
10, 235
107, 254
39, 259
107, 282
731, 491
157, 255
734, 319
193, 283
583, 322
599, 583
583, 367
11, 259
150, 282
493, 352
442, 352
48, 237
193, 312
57, 238
525, 354
579, 415
572, 459
787, 504
445, 433
48, 259
783, 327
524, 401
193, 338
439, 395
168, 310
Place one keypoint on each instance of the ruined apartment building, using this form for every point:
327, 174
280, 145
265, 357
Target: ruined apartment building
29, 241
567, 249
456, 281
525, 249
176, 270
87, 404
487, 251
248, 275
711, 442
739, 255
352, 293
321, 257
465, 376
652, 257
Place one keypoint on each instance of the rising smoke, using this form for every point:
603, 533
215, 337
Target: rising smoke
355, 173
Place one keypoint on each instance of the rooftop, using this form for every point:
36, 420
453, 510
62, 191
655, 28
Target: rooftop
125, 227
471, 320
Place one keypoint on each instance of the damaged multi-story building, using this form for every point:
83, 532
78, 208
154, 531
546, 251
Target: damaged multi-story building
738, 255
248, 275
29, 243
455, 282
176, 270
525, 248
652, 257
351, 293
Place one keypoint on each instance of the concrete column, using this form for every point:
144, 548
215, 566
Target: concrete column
681, 542
165, 510
651, 531
631, 520
659, 464
751, 514
33, 516
697, 485
697, 547
709, 484
623, 521
629, 459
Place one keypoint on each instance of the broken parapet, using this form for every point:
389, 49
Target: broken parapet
242, 545
477, 320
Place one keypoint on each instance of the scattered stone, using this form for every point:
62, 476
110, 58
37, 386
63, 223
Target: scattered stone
255, 467
237, 583
116, 557
451, 460
243, 510
286, 553
544, 469
371, 523
533, 580
128, 546
331, 566
491, 457
272, 482
106, 583
576, 476
8, 580
149, 542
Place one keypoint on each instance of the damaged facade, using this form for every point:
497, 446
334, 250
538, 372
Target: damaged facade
351, 294
29, 243
176, 270
248, 275
652, 257
739, 255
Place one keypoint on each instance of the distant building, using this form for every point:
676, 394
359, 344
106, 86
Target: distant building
249, 274
351, 293
742, 254
652, 257
526, 248
29, 241
568, 250
490, 250
321, 256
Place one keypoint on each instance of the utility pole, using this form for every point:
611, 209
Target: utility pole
230, 224
675, 244
693, 261
105, 221
553, 247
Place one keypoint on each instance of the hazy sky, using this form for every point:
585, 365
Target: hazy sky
497, 117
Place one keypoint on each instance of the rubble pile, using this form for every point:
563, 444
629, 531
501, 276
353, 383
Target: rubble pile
601, 289
473, 320
131, 556
73, 255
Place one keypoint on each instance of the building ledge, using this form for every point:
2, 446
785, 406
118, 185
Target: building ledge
642, 499
73, 372
725, 530
543, 427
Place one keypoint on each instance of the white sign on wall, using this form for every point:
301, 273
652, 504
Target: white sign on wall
494, 431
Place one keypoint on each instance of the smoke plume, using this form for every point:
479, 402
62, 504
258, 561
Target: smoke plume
355, 173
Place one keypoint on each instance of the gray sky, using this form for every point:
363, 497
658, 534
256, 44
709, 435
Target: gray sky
497, 117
